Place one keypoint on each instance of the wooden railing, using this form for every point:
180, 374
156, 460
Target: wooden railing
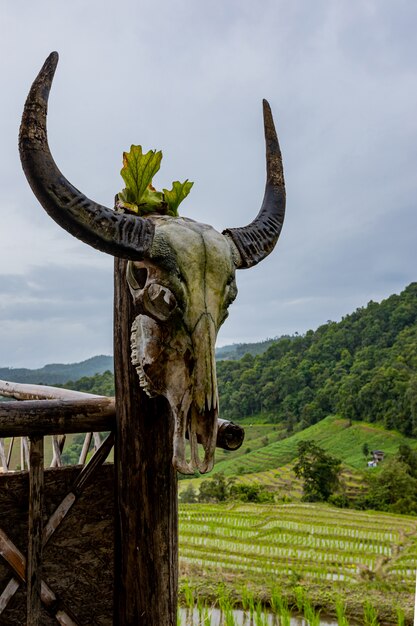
35, 419
38, 412
41, 410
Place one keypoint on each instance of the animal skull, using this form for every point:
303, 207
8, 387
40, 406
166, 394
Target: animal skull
183, 297
181, 275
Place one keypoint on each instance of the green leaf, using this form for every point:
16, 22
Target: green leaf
176, 195
139, 196
138, 171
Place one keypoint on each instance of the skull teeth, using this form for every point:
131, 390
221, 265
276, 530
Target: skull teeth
143, 379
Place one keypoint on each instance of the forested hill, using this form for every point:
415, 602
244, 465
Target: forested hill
363, 367
236, 351
56, 373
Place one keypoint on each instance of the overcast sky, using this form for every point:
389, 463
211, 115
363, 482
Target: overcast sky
188, 77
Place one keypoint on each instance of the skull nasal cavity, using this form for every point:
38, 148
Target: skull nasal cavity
141, 276
163, 300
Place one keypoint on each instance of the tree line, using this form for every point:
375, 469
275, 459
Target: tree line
363, 368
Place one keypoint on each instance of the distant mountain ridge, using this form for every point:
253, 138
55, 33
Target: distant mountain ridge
58, 373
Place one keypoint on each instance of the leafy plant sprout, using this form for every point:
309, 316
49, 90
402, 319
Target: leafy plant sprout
139, 196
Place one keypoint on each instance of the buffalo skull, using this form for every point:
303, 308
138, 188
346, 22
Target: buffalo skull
181, 275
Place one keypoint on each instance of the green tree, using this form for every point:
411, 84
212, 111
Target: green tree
318, 470
215, 489
188, 495
254, 492
392, 489
409, 457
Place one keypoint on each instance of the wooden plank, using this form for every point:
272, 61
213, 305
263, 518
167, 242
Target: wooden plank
146, 524
35, 533
97, 440
85, 448
13, 556
56, 449
25, 446
3, 458
22, 455
58, 516
96, 461
9, 452
8, 593
23, 391
53, 417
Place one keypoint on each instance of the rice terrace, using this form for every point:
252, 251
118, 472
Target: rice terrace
314, 554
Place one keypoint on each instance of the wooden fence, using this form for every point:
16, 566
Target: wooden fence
62, 518
35, 420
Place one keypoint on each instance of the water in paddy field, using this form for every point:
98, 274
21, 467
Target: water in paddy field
214, 617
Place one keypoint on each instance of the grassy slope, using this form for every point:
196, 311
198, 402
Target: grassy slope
271, 464
333, 434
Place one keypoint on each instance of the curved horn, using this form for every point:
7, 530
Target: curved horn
124, 236
256, 240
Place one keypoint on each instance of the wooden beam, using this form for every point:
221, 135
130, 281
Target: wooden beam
35, 532
53, 417
56, 450
146, 523
8, 593
85, 449
9, 452
3, 457
25, 448
78, 414
23, 391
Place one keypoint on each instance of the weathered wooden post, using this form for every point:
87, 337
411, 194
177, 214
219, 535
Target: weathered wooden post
174, 281
146, 548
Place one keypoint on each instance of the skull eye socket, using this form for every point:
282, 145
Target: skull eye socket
137, 276
160, 302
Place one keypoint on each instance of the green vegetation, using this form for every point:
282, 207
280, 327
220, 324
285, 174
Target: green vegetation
363, 368
339, 437
318, 470
221, 489
139, 196
100, 384
270, 464
306, 556
71, 453
394, 487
